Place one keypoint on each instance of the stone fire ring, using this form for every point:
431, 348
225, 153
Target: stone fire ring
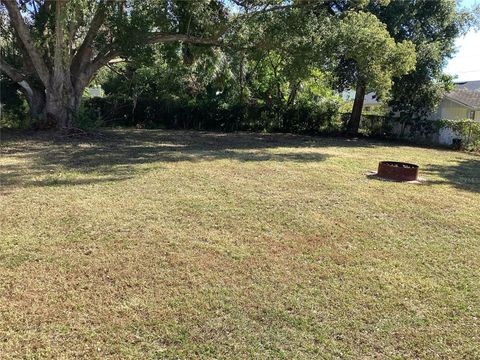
397, 171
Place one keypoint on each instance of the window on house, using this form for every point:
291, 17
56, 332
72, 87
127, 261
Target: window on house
471, 115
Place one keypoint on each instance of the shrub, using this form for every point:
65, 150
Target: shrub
210, 115
13, 107
468, 129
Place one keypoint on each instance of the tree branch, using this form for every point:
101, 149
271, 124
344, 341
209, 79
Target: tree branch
83, 53
20, 79
100, 60
104, 57
11, 72
267, 8
159, 37
59, 43
25, 37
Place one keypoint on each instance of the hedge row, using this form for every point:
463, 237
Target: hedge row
151, 113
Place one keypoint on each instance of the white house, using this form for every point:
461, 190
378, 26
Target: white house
94, 91
461, 103
369, 102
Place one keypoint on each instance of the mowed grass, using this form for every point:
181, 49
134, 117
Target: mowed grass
174, 245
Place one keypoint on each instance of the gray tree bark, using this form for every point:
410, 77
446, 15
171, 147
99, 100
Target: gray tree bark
36, 103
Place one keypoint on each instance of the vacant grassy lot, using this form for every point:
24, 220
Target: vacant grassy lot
155, 244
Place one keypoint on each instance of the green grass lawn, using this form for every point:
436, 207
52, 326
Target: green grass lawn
168, 244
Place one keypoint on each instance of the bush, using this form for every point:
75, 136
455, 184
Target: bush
375, 125
468, 129
323, 118
150, 113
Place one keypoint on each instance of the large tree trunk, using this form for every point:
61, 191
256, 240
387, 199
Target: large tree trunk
63, 105
354, 122
37, 105
56, 109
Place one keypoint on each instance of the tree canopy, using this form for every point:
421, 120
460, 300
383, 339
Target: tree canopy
57, 47
433, 27
275, 51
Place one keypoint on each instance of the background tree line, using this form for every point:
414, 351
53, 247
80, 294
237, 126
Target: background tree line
273, 65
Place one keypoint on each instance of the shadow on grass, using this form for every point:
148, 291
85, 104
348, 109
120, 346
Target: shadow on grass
45, 159
465, 175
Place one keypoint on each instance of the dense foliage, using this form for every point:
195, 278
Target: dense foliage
223, 64
433, 27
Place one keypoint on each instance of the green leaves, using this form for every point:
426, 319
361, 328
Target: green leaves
273, 51
468, 129
432, 26
377, 57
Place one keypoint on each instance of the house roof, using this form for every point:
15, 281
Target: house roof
469, 98
466, 93
469, 85
371, 99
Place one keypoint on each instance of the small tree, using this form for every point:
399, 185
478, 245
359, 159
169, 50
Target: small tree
372, 58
